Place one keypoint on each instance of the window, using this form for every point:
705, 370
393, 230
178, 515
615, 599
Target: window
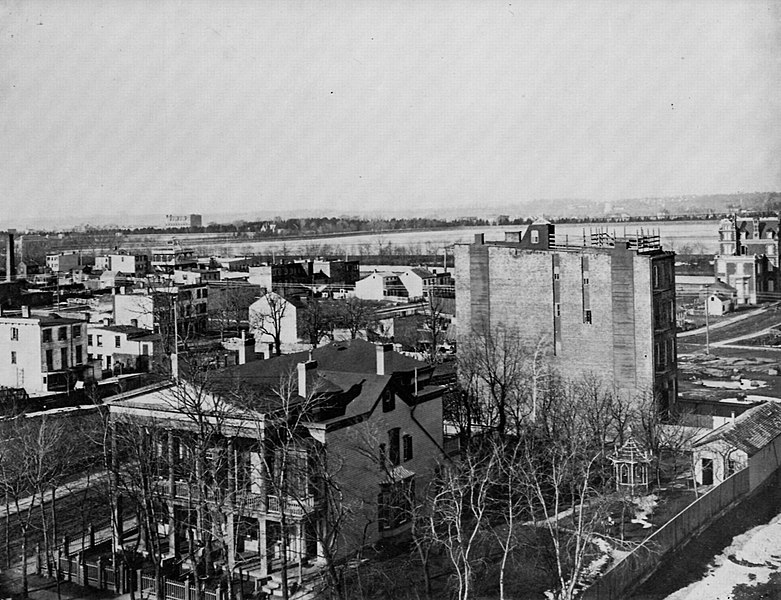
47, 335
49, 360
145, 349
117, 341
62, 333
394, 437
407, 447
78, 355
535, 237
99, 340
585, 278
558, 309
14, 333
77, 331
63, 358
394, 504
89, 339
587, 317
656, 276
13, 357
388, 401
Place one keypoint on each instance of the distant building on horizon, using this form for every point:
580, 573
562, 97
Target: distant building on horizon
604, 308
184, 221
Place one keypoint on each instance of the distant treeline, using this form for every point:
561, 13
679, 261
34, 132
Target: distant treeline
323, 226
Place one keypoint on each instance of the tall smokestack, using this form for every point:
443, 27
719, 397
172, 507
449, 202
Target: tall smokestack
10, 259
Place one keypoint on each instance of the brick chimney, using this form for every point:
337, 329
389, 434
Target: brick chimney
304, 368
10, 260
381, 352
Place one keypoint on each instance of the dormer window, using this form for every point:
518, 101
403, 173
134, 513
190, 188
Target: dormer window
535, 237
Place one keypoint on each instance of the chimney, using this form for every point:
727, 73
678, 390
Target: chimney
10, 258
382, 350
242, 349
303, 369
479, 239
175, 366
25, 312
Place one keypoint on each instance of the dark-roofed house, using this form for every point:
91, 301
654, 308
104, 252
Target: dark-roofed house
376, 421
729, 448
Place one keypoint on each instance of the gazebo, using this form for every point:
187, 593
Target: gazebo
630, 466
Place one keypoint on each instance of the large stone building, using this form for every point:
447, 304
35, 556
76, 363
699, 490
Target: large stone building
606, 307
748, 257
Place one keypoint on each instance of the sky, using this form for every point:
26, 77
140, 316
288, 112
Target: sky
136, 107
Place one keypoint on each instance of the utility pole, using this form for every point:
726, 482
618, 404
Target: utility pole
707, 324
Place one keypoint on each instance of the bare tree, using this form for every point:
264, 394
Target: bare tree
357, 314
30, 462
228, 305
269, 319
316, 319
491, 367
459, 513
303, 475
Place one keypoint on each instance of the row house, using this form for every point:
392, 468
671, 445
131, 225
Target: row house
173, 257
121, 348
42, 353
323, 449
157, 308
62, 262
133, 264
308, 272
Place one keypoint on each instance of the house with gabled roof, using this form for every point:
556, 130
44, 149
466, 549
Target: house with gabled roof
376, 422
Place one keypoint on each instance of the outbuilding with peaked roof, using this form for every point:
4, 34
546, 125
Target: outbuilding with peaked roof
727, 449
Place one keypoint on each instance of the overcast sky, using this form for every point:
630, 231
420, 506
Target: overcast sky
149, 107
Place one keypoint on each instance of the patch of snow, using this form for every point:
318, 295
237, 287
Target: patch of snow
749, 559
644, 506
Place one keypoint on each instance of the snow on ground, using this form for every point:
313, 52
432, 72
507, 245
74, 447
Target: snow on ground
645, 506
750, 559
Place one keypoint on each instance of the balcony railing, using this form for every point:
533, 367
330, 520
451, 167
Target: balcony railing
294, 507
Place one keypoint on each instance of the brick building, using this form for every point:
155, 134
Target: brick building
605, 307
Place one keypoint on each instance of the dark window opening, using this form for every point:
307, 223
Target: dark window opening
394, 439
407, 447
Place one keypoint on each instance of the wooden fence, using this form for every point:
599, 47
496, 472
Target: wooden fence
640, 564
